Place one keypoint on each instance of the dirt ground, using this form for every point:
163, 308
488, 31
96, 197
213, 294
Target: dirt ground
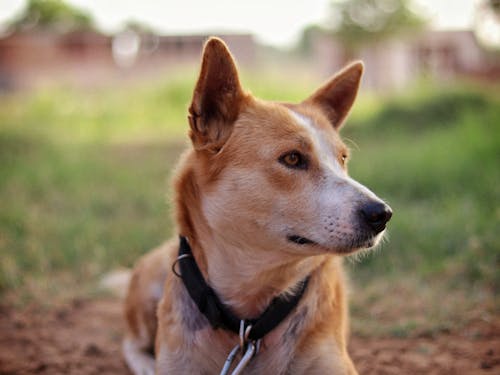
84, 338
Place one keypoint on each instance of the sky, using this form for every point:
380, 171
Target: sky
274, 22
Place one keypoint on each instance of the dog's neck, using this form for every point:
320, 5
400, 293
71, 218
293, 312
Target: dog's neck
246, 277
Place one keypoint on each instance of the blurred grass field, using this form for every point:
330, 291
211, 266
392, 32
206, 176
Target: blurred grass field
84, 189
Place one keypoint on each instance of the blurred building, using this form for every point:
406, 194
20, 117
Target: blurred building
32, 58
393, 64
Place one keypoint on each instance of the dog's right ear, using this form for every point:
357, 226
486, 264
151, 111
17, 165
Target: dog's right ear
217, 98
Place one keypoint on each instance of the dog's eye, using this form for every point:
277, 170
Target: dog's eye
343, 157
294, 159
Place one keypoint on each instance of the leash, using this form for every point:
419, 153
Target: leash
250, 331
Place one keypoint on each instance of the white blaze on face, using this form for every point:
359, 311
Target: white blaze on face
321, 146
336, 199
327, 158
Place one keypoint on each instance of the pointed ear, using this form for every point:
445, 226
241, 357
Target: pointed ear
217, 98
337, 95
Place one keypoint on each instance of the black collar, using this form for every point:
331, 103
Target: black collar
220, 315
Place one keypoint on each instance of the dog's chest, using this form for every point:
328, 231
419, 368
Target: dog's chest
211, 349
205, 349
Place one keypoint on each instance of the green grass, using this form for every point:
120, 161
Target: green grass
79, 209
84, 189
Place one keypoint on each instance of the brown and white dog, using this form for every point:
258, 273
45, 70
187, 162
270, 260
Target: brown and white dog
264, 199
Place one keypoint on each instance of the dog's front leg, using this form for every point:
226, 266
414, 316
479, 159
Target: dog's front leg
323, 359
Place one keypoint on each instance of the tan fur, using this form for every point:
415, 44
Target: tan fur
235, 202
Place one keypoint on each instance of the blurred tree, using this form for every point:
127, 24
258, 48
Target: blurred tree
487, 24
53, 15
359, 22
138, 27
305, 42
494, 5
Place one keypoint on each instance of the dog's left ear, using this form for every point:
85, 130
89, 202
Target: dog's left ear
336, 96
217, 98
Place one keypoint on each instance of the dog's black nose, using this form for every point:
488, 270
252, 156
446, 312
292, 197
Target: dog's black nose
376, 215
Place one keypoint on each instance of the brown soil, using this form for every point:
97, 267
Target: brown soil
84, 338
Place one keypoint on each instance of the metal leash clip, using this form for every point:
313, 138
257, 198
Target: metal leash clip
248, 348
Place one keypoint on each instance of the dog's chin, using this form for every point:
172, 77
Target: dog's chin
364, 245
344, 246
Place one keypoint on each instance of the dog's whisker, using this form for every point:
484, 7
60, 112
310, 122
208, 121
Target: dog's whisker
352, 143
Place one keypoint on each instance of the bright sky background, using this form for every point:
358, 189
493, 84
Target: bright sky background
276, 22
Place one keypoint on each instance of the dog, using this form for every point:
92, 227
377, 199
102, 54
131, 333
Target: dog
266, 210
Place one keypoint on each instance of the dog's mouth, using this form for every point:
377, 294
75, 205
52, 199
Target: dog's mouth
299, 240
348, 246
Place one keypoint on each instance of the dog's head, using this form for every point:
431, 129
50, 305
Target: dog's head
273, 173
